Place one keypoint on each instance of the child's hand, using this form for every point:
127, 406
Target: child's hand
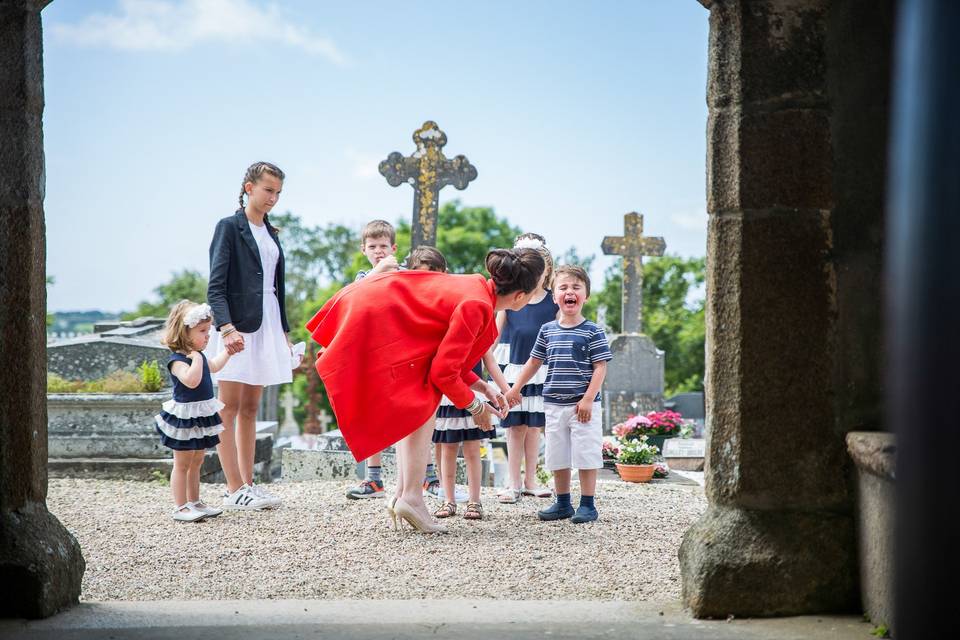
387, 264
194, 356
513, 397
584, 410
498, 399
482, 419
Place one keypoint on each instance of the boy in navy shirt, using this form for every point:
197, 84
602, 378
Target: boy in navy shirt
576, 353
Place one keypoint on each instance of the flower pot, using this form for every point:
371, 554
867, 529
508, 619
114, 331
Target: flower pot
636, 472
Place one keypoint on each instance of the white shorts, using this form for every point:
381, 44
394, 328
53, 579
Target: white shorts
572, 444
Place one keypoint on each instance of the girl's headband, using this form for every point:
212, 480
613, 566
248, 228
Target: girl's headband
528, 243
197, 314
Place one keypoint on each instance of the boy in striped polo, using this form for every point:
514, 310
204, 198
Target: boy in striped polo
576, 353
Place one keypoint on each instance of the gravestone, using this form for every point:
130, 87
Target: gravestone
691, 406
111, 435
685, 454
427, 171
634, 381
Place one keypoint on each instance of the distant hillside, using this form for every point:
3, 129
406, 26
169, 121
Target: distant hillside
75, 322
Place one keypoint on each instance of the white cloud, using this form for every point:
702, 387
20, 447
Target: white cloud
169, 25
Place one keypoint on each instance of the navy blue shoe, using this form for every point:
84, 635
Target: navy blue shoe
556, 512
585, 514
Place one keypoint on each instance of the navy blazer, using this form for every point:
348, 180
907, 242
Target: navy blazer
235, 291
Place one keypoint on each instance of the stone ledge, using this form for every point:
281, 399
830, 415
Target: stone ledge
873, 451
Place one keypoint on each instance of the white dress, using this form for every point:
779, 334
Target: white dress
265, 359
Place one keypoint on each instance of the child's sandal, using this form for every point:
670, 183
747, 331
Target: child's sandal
474, 511
446, 510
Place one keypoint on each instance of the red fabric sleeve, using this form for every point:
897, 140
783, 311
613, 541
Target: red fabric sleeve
446, 371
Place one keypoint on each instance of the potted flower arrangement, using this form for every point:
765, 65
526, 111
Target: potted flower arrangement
611, 448
635, 460
658, 426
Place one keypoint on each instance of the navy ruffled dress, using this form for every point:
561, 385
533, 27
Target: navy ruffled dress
190, 421
456, 425
516, 342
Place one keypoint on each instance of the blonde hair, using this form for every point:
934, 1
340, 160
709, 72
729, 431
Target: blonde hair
377, 229
175, 331
544, 253
429, 257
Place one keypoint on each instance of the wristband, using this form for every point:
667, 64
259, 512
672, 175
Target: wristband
475, 407
226, 332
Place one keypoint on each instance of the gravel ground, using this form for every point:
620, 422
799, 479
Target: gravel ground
320, 545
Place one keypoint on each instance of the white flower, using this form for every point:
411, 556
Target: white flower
197, 314
528, 243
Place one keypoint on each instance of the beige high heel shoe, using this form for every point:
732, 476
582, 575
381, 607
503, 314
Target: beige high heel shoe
391, 503
405, 512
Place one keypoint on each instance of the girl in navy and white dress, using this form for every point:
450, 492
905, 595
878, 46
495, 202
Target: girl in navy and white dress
189, 423
524, 423
455, 428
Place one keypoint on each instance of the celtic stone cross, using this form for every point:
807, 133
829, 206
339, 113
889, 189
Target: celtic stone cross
427, 171
632, 246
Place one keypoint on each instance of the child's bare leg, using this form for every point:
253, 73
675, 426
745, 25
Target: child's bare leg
448, 470
531, 449
471, 454
178, 477
561, 480
246, 434
193, 476
516, 436
588, 481
227, 449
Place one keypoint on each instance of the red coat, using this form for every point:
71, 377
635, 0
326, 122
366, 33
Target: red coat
393, 344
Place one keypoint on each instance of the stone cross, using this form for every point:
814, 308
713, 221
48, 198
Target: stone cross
427, 171
632, 246
325, 421
289, 424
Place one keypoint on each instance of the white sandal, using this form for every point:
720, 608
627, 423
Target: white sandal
508, 496
538, 492
192, 514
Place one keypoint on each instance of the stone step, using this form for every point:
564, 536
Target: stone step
151, 468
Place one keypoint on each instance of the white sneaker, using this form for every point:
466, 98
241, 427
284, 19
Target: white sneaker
187, 513
209, 511
244, 499
259, 491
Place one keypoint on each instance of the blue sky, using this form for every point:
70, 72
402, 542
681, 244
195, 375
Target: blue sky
574, 113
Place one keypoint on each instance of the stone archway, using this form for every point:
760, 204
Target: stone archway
797, 138
37, 554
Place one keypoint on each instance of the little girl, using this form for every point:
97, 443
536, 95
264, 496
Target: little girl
524, 423
454, 427
190, 423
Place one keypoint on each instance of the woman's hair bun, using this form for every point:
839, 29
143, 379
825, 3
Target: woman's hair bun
515, 269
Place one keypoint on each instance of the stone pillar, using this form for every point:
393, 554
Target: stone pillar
37, 554
794, 193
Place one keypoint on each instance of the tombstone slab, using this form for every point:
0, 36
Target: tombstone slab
685, 454
634, 382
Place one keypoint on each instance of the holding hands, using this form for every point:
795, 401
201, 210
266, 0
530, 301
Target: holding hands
513, 396
232, 340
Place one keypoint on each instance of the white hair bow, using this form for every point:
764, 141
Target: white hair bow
528, 243
197, 314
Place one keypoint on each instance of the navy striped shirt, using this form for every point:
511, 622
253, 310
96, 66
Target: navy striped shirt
569, 354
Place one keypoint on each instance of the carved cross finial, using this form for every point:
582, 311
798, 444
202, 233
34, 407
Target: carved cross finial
632, 246
427, 171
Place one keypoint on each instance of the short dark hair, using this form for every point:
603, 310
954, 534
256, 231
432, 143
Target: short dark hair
577, 272
429, 257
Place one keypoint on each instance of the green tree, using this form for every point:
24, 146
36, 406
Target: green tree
464, 235
673, 315
315, 257
186, 284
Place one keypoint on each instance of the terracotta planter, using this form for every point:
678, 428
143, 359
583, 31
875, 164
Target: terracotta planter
635, 472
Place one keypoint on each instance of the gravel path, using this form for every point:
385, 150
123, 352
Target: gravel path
320, 545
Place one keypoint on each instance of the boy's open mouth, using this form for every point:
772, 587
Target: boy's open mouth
569, 300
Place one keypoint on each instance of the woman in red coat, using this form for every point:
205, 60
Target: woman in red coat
395, 342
